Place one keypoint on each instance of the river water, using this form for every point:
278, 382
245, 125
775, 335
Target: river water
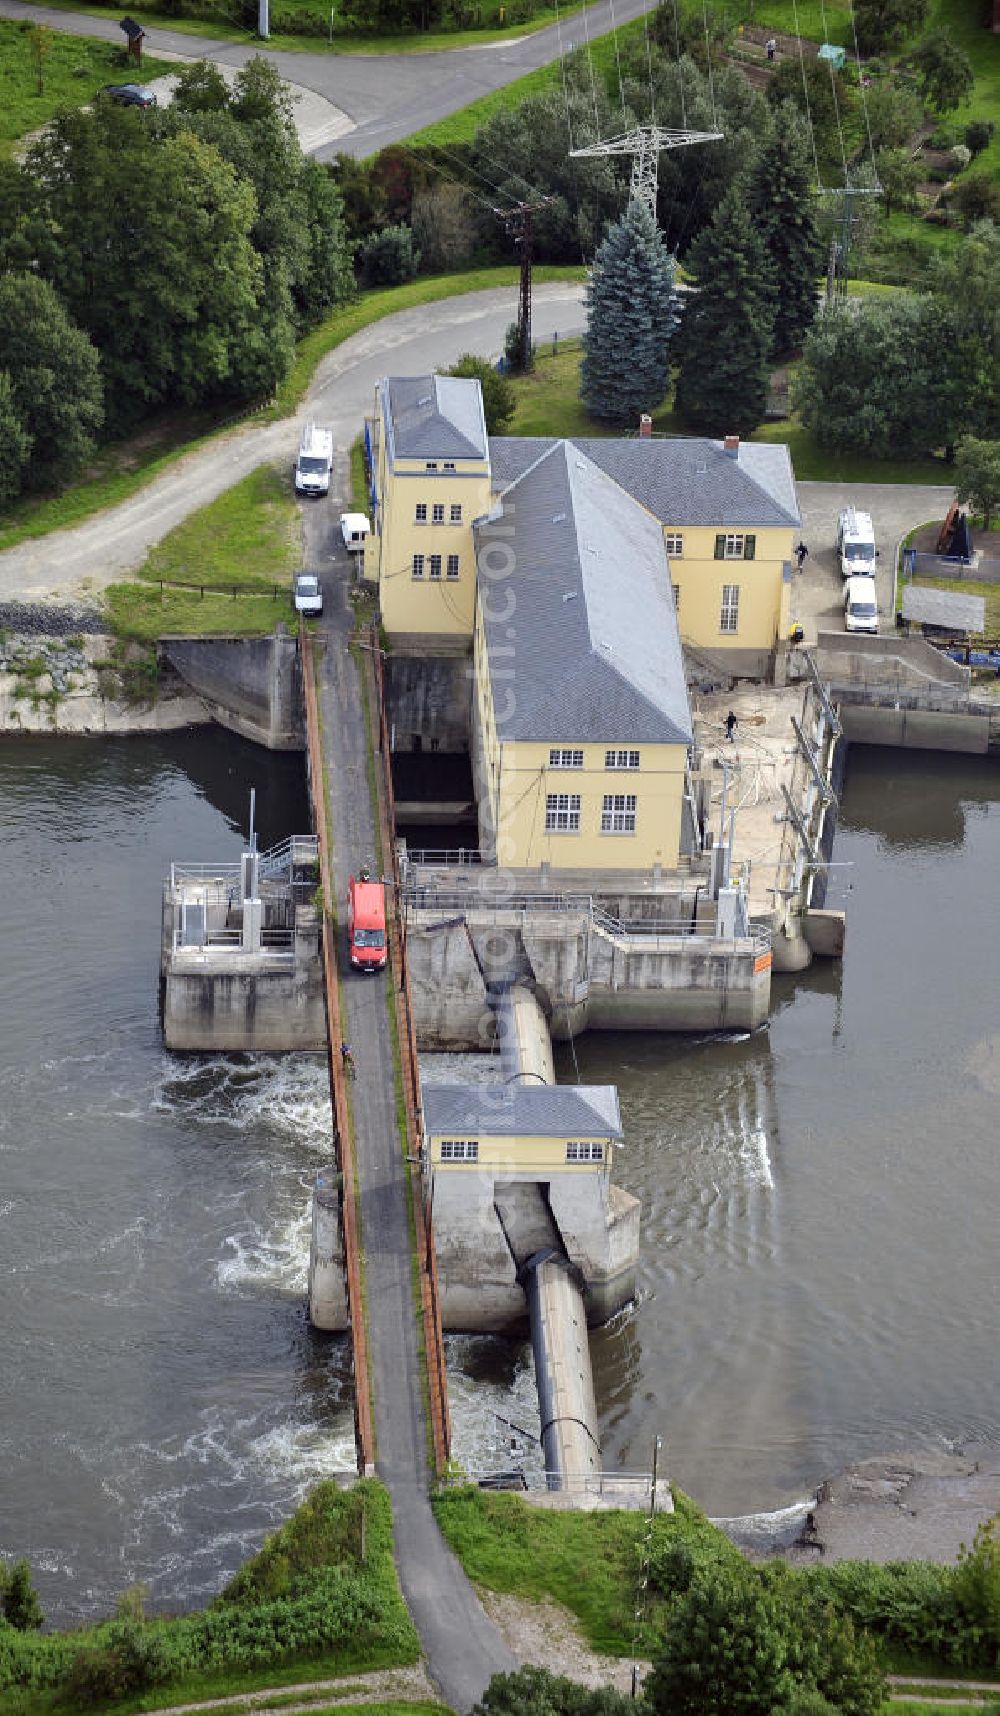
819, 1264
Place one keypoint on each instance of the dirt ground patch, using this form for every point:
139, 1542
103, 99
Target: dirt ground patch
550, 1636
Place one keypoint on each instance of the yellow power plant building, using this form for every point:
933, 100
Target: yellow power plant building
576, 569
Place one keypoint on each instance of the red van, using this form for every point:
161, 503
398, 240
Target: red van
366, 925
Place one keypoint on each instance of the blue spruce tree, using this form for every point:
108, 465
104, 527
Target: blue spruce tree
631, 314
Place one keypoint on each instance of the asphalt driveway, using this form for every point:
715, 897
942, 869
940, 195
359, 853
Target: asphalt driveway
817, 596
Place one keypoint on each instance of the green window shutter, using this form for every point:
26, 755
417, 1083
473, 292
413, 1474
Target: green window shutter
749, 547
720, 548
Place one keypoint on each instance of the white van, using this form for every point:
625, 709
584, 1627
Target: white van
354, 528
315, 461
856, 544
860, 605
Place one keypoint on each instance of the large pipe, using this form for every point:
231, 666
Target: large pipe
525, 1044
566, 1401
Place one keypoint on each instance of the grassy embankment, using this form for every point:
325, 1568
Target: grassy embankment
319, 1601
120, 469
548, 403
921, 1615
74, 69
227, 568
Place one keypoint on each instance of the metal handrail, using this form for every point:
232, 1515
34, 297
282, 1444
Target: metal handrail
648, 930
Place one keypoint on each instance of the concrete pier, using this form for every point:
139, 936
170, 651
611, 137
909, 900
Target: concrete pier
328, 1308
239, 961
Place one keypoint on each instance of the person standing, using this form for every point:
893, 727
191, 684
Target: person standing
731, 726
771, 46
801, 555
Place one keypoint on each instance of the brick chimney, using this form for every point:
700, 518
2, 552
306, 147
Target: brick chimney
645, 426
732, 446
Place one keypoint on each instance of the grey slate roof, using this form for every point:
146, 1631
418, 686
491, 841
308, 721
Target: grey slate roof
680, 480
435, 417
952, 609
522, 1110
589, 650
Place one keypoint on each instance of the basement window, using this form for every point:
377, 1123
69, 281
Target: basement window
577, 1152
460, 1150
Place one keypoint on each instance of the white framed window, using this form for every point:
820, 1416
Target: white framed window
435, 567
437, 512
674, 545
562, 813
564, 757
418, 566
460, 1149
431, 465
735, 545
729, 614
449, 465
420, 512
621, 759
584, 1152
618, 813
455, 513
453, 565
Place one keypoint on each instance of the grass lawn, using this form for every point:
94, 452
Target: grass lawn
589, 1562
931, 1707
240, 552
75, 68
548, 403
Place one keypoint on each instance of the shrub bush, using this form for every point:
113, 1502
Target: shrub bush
979, 135
388, 258
959, 157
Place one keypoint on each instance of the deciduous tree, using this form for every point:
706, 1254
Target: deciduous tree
499, 400
631, 315
535, 1691
977, 483
15, 445
944, 71
885, 24
55, 381
726, 331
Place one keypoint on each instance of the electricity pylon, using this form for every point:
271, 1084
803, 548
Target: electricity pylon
644, 145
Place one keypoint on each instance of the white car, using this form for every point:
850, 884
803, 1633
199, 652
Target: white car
308, 597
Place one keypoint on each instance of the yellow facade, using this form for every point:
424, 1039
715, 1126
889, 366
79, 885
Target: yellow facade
708, 614
527, 1158
528, 793
421, 553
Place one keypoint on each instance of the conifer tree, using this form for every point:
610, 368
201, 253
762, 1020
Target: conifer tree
782, 211
631, 314
725, 336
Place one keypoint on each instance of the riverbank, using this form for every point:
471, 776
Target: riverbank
61, 671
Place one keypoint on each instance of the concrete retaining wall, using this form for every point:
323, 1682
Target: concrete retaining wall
581, 976
920, 729
430, 701
250, 685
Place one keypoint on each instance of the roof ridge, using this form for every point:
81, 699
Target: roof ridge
554, 443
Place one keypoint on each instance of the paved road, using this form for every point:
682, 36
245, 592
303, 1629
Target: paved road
818, 595
462, 1646
384, 97
104, 548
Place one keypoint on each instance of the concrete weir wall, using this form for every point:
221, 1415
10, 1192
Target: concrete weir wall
250, 685
584, 976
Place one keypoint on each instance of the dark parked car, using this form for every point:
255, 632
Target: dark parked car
130, 94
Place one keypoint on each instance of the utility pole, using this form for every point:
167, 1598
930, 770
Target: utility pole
519, 221
840, 248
